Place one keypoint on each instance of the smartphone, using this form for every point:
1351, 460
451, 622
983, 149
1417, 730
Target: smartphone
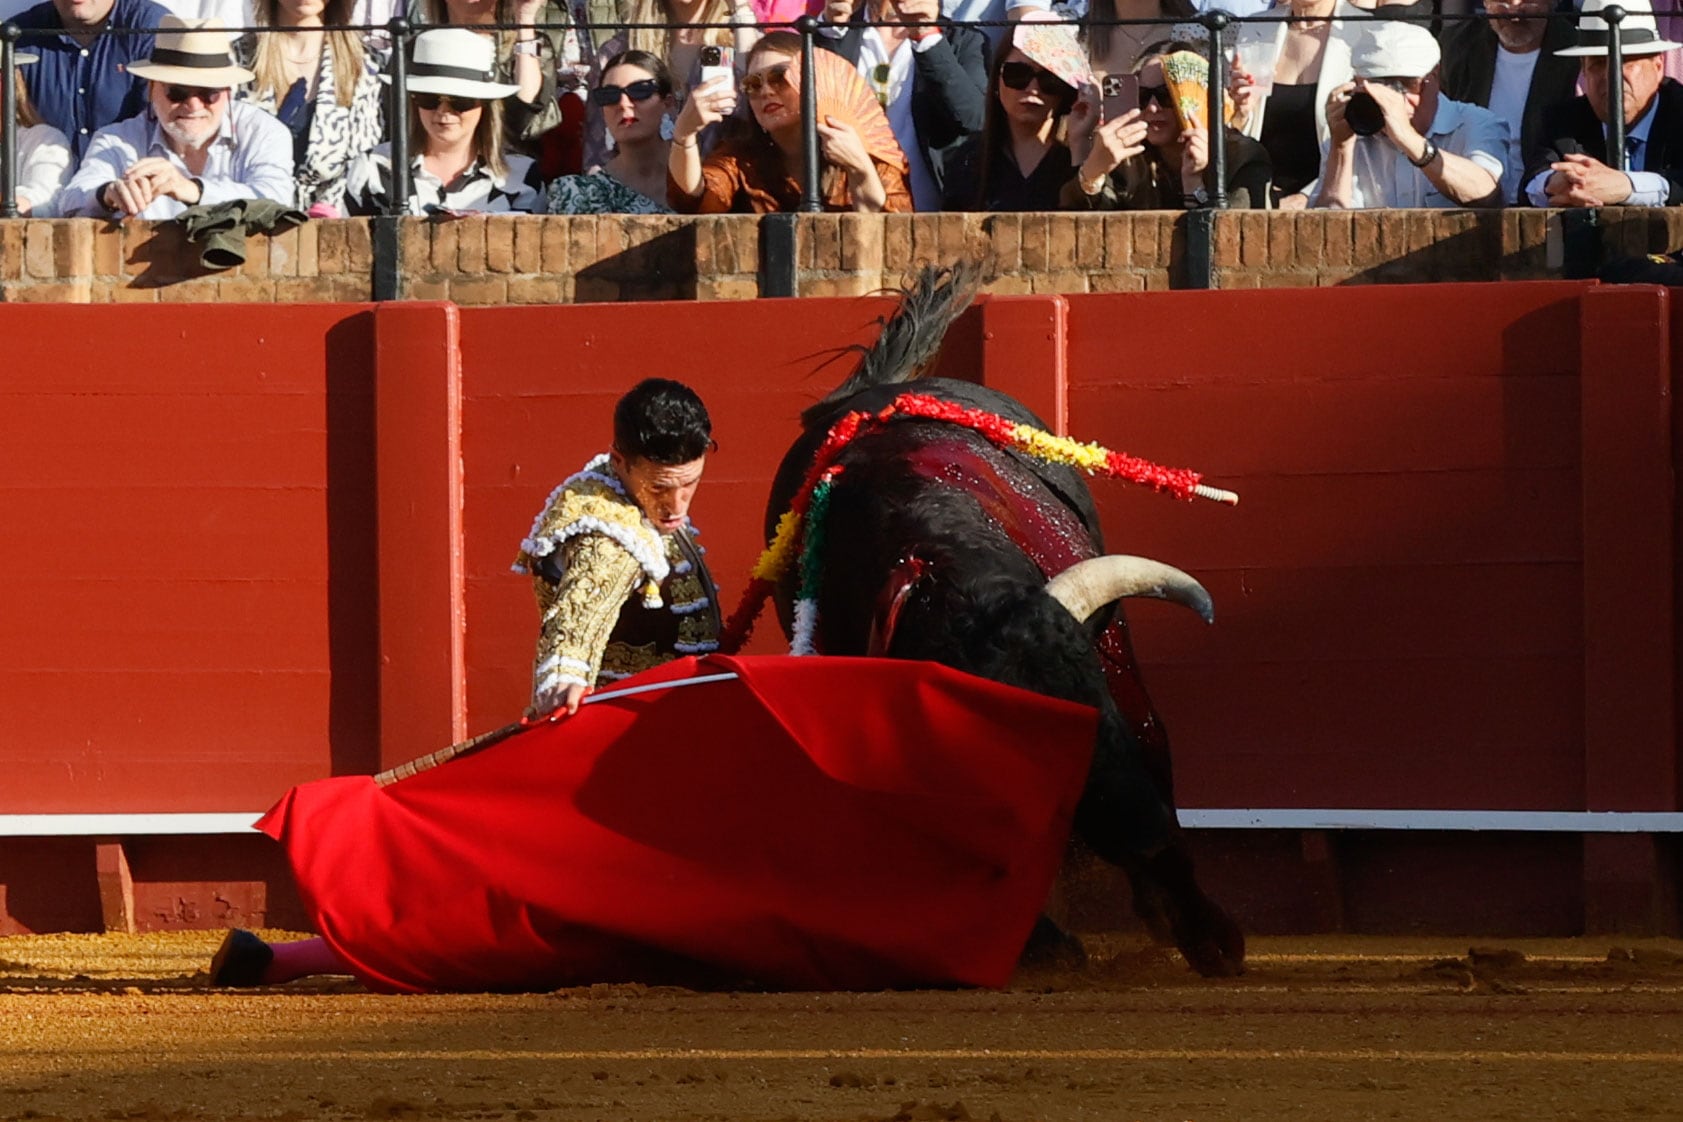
1118, 93
718, 62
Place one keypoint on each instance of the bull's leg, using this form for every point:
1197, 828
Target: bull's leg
1123, 820
1051, 946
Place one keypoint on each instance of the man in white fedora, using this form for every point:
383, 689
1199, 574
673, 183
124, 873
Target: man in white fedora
1571, 170
1394, 140
193, 143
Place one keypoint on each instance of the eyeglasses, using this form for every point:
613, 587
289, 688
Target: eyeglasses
767, 80
1159, 94
1018, 75
179, 94
606, 96
432, 102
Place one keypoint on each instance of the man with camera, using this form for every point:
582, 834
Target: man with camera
1571, 170
1396, 141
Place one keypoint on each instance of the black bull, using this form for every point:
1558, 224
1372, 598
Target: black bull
938, 545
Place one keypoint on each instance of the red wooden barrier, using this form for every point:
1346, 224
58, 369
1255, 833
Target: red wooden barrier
252, 546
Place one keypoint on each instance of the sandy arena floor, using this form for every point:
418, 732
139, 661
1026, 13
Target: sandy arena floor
1330, 1028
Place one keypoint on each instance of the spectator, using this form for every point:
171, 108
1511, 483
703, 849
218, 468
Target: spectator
757, 171
455, 124
679, 44
1146, 160
80, 86
526, 59
932, 81
635, 99
1424, 149
1021, 158
1116, 48
194, 144
1508, 65
323, 86
1287, 110
620, 583
43, 153
1571, 169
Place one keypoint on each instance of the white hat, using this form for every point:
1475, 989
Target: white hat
1394, 49
454, 60
1638, 32
193, 52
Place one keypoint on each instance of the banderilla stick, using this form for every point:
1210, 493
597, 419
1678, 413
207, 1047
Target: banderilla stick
486, 739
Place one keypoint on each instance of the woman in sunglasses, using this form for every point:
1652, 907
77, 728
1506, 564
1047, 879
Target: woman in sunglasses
635, 94
1020, 160
1145, 160
758, 171
457, 164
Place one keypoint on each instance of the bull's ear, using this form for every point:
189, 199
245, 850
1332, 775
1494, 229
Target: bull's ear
1086, 587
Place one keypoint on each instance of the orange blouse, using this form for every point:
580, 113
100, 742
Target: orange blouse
738, 180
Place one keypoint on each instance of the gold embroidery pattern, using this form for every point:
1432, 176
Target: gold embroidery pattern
577, 616
621, 660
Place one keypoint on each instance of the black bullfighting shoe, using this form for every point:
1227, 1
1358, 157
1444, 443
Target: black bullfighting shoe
240, 960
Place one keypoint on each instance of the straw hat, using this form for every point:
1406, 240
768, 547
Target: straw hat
1638, 33
192, 52
454, 60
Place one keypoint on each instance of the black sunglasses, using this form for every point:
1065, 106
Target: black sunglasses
179, 94
1159, 94
432, 101
642, 90
1018, 75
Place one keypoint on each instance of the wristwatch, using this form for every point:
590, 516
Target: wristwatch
1200, 197
527, 47
1427, 156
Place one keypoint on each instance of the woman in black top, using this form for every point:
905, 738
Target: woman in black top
1019, 161
1147, 161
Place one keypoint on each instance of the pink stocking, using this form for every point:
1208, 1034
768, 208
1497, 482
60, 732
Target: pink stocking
301, 959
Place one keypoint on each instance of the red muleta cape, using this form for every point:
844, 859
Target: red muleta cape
816, 823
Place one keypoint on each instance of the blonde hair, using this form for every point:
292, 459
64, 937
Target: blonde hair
343, 47
27, 116
658, 40
487, 135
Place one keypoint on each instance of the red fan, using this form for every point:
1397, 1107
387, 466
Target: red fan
843, 94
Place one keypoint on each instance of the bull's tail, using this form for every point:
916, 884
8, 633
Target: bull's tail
912, 337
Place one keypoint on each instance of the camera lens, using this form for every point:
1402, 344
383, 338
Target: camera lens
1363, 115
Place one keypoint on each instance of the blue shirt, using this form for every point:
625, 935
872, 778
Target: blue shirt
80, 89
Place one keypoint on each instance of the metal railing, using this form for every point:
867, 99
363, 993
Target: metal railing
401, 31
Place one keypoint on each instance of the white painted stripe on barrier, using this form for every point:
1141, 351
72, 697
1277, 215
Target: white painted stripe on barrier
1521, 821
1529, 821
120, 825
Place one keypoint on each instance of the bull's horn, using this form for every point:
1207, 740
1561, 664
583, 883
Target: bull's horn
1086, 587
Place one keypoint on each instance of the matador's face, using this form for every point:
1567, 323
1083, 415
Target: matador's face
663, 491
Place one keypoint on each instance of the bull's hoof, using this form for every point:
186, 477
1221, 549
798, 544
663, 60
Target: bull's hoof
1210, 941
1050, 947
241, 960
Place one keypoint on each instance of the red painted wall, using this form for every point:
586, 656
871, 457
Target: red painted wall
188, 501
251, 545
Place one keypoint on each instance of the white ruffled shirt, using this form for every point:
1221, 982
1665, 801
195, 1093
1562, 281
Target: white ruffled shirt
43, 169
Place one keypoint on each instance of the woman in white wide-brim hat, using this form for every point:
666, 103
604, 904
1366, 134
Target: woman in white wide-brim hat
457, 161
43, 154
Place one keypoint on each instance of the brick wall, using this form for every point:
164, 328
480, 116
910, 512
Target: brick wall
557, 259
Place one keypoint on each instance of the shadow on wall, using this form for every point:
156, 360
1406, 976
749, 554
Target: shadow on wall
659, 265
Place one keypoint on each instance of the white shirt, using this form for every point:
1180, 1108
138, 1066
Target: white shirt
901, 75
1647, 188
1383, 177
1509, 89
43, 166
250, 157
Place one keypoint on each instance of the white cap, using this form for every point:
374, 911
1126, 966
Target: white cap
1394, 49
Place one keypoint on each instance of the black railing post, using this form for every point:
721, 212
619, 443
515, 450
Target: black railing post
1614, 15
1216, 20
812, 200
9, 33
397, 201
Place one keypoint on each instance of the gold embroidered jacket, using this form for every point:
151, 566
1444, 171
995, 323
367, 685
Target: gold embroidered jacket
614, 595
